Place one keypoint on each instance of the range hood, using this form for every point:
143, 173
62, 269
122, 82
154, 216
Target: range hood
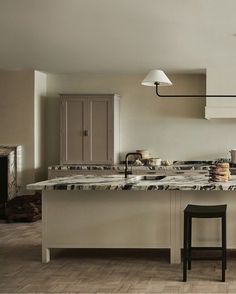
220, 112
220, 80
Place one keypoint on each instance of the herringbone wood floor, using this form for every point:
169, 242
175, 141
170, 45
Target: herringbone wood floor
76, 271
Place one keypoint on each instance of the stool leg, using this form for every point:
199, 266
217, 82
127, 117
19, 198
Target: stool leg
189, 242
225, 240
223, 230
185, 255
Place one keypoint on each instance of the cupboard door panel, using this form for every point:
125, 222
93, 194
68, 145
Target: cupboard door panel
73, 126
89, 129
100, 126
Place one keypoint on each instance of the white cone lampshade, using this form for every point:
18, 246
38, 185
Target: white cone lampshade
156, 76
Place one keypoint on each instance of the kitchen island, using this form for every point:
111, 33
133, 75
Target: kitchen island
138, 212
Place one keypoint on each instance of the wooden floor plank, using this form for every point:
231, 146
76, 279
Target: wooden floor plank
78, 271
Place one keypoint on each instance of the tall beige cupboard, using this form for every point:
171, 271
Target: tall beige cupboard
89, 129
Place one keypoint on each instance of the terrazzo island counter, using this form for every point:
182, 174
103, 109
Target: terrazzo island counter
138, 212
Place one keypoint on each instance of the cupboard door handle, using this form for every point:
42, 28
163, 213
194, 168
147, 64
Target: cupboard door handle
85, 133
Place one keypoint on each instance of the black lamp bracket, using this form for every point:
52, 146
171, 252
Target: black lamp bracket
170, 96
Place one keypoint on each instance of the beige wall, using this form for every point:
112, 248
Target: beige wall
17, 117
22, 97
172, 128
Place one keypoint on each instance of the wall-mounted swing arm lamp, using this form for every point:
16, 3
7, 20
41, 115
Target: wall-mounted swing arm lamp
157, 78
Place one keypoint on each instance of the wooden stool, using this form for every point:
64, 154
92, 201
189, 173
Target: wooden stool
199, 211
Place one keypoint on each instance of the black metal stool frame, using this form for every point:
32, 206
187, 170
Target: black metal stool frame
197, 211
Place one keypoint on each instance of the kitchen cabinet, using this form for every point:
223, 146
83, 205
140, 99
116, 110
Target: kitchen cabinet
89, 129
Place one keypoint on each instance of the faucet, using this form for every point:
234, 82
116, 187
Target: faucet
126, 162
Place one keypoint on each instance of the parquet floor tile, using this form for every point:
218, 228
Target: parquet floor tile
76, 271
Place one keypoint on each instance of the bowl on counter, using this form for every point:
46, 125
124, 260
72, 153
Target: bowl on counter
154, 161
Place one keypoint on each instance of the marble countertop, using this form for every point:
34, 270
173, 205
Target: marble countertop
177, 165
137, 183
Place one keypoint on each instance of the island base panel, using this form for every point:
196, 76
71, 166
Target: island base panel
105, 219
131, 219
45, 255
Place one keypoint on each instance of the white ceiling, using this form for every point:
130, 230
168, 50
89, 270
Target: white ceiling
117, 36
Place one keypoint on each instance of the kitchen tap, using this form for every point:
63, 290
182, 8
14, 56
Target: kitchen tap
126, 162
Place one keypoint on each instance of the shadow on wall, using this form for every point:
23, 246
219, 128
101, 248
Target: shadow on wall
52, 130
184, 107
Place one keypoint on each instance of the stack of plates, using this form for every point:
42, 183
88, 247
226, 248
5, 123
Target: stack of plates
220, 172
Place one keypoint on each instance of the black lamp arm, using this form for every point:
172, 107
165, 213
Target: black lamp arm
169, 96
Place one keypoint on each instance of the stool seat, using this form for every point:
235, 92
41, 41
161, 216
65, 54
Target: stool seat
203, 211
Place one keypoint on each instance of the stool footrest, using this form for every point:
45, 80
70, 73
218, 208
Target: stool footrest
204, 258
206, 248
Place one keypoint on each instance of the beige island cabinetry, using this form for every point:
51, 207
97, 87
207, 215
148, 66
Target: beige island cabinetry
138, 212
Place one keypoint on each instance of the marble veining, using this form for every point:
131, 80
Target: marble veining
10, 153
138, 183
177, 165
180, 165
